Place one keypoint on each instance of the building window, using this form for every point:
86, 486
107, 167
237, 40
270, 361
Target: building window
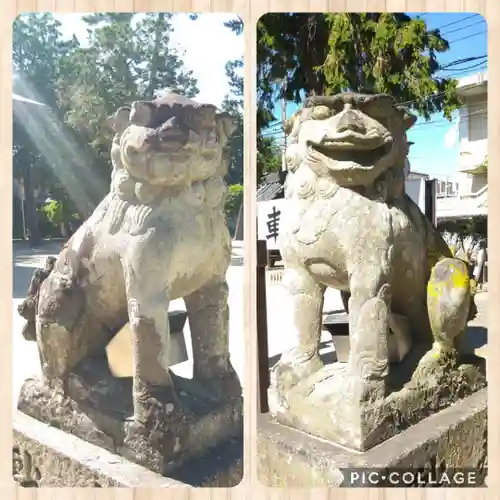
446, 189
478, 121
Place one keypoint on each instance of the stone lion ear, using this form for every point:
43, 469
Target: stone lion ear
409, 120
289, 125
226, 124
142, 113
120, 120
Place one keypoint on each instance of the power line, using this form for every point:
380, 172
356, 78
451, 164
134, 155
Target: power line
464, 60
435, 95
467, 37
445, 121
465, 69
457, 22
463, 27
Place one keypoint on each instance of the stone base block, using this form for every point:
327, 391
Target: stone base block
44, 456
98, 408
337, 406
456, 437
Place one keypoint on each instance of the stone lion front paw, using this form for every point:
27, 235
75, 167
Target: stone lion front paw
156, 408
156, 427
285, 375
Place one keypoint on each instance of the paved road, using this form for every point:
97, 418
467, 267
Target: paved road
26, 361
278, 338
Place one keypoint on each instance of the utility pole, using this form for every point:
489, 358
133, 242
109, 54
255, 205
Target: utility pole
23, 211
283, 120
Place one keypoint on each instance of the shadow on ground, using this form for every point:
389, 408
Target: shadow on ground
327, 357
476, 337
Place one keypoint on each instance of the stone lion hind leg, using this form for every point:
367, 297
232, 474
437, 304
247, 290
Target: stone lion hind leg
208, 315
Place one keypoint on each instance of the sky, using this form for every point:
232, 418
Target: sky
206, 43
467, 34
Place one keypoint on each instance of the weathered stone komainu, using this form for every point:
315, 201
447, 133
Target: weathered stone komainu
160, 234
347, 223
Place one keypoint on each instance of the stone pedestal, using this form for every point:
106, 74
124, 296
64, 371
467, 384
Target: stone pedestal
97, 408
44, 456
328, 404
456, 437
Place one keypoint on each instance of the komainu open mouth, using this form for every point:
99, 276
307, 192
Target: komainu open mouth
361, 157
365, 151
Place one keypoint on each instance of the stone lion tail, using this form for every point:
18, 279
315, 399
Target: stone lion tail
28, 307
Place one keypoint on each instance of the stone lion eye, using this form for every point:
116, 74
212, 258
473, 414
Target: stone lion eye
321, 113
380, 109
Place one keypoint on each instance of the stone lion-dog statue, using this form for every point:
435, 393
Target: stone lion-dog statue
160, 234
347, 223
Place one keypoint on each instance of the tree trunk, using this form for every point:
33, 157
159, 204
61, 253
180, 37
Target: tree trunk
239, 232
34, 235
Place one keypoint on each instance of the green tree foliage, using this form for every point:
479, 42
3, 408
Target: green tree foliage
268, 157
55, 211
306, 54
233, 203
37, 55
127, 57
289, 48
233, 103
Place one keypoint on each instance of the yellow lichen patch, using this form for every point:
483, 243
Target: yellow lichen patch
473, 286
434, 289
458, 278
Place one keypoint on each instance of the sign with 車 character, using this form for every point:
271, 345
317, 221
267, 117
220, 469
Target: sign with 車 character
268, 221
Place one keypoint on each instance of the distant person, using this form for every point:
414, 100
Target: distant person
481, 259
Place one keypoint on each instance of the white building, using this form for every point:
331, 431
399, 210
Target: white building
465, 193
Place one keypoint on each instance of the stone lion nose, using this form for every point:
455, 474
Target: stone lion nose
351, 121
151, 138
170, 131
